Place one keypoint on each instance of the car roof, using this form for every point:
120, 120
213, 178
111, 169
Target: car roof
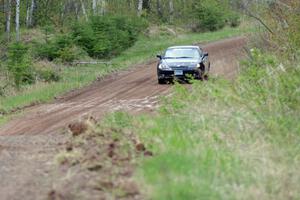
184, 47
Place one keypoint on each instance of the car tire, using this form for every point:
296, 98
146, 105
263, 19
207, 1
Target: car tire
161, 81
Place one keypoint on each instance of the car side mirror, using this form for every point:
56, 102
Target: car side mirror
159, 56
205, 54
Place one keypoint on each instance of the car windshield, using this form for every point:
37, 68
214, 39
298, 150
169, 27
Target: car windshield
182, 53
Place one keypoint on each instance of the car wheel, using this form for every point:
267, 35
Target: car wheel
161, 81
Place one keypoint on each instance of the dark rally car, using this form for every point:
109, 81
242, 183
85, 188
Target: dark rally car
183, 62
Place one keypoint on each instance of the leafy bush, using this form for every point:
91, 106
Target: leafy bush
48, 75
106, 36
47, 71
19, 64
210, 16
101, 37
60, 47
84, 37
69, 54
233, 19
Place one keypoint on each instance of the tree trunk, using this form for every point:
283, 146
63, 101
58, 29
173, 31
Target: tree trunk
171, 9
159, 8
27, 13
8, 19
103, 7
95, 7
77, 11
84, 10
18, 20
140, 7
32, 6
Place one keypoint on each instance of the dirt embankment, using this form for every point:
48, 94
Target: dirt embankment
29, 143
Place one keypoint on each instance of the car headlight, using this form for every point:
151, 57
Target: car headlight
164, 67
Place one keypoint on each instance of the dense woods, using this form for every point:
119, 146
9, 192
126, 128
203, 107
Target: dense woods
59, 13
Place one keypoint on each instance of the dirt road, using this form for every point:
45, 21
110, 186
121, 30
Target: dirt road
29, 142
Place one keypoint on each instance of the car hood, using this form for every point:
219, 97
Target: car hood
181, 62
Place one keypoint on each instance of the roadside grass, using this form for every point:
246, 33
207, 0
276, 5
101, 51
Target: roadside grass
74, 77
224, 140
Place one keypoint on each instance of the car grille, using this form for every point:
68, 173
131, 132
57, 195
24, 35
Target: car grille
180, 67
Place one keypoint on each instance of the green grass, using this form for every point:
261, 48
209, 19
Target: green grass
224, 140
76, 77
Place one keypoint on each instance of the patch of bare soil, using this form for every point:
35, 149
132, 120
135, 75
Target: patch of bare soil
100, 163
101, 167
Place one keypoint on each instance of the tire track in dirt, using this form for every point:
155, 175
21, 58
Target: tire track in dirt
29, 142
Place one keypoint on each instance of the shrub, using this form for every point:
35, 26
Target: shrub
19, 64
210, 16
46, 71
84, 37
46, 51
233, 19
48, 75
60, 47
107, 36
69, 54
101, 37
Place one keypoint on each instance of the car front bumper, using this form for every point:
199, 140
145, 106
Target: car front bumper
180, 74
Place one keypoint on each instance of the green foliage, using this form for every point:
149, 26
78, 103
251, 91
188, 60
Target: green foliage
210, 16
70, 53
84, 36
101, 37
119, 120
19, 64
48, 75
107, 36
282, 21
60, 47
268, 80
293, 30
233, 19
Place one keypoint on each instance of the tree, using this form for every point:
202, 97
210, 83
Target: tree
94, 7
31, 10
103, 7
18, 20
140, 7
84, 10
8, 18
171, 10
159, 8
